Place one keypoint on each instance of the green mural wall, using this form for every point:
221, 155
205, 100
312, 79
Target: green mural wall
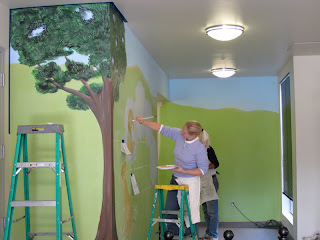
247, 146
134, 211
83, 152
83, 142
84, 157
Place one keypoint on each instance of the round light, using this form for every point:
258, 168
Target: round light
223, 72
224, 32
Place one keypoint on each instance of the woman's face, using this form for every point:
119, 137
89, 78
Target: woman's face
186, 135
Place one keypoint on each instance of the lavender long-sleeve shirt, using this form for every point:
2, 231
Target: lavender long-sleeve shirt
188, 154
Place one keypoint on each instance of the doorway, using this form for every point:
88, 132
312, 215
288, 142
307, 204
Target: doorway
2, 205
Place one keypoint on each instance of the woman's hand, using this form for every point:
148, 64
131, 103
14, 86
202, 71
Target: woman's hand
194, 172
152, 125
139, 119
179, 169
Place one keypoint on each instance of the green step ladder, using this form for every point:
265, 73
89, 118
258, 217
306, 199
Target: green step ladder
59, 166
180, 221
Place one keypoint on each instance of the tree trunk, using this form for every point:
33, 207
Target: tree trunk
103, 111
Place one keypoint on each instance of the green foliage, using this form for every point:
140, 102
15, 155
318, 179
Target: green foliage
118, 51
76, 103
80, 71
45, 87
45, 74
43, 34
104, 69
95, 87
36, 49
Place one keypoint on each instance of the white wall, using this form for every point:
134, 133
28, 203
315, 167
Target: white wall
288, 69
4, 43
4, 26
307, 121
305, 116
4, 34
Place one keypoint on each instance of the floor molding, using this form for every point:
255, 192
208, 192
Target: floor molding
239, 224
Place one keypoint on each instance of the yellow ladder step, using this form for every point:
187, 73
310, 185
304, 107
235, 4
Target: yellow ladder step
172, 187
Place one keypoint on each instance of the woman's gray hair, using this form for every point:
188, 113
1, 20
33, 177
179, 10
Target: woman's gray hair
195, 128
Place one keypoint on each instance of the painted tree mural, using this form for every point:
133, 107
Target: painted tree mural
41, 35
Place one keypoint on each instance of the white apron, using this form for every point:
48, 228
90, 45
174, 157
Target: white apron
193, 198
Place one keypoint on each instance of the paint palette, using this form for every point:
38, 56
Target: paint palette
166, 167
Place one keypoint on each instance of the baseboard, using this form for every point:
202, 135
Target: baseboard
239, 224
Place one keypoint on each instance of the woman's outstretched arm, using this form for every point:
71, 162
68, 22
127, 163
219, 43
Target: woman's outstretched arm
152, 125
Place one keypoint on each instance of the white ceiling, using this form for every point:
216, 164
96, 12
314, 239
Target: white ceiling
173, 33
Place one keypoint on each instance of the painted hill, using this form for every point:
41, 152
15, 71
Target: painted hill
247, 144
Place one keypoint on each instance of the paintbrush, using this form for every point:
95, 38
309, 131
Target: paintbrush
143, 118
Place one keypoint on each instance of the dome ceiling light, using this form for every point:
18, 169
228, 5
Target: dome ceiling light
223, 72
225, 32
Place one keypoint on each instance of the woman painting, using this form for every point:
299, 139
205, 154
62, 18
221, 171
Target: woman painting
191, 159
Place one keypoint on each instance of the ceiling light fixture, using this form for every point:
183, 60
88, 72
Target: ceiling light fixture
224, 32
223, 72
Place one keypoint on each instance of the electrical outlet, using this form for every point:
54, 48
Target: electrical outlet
232, 204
